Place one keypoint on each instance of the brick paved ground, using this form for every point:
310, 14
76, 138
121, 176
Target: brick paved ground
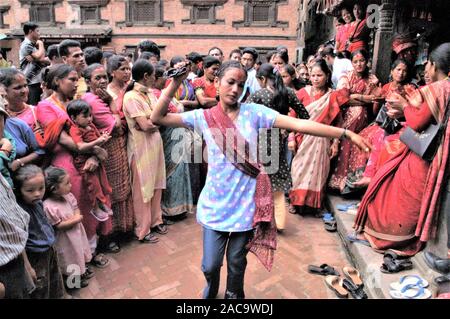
171, 268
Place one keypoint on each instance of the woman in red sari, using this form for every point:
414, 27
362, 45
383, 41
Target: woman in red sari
342, 33
385, 145
400, 208
358, 32
364, 89
311, 163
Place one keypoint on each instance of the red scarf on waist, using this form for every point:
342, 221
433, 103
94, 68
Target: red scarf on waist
264, 243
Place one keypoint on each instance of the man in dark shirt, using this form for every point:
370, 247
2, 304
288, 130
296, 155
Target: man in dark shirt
32, 60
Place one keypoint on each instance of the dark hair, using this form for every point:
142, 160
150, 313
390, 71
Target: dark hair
115, 62
23, 174
251, 51
87, 73
7, 76
159, 71
283, 55
295, 82
328, 51
340, 20
235, 51
163, 63
107, 55
52, 52
324, 67
149, 46
53, 177
64, 46
29, 26
441, 57
280, 97
147, 55
230, 64
366, 56
269, 55
194, 57
176, 59
92, 55
140, 68
57, 72
215, 48
76, 107
209, 61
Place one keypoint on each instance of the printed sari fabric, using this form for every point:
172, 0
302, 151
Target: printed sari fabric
177, 198
354, 118
384, 146
117, 168
311, 163
400, 208
358, 36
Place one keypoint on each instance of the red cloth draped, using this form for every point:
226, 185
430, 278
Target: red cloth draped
263, 244
358, 36
400, 208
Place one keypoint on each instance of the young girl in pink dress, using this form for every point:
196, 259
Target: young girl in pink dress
62, 211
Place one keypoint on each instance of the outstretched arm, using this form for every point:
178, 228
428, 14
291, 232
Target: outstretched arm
318, 129
160, 114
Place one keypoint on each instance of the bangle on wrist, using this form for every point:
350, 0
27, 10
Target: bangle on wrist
344, 134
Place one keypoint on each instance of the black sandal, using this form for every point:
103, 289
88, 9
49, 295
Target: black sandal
392, 266
149, 239
357, 291
323, 270
330, 225
112, 248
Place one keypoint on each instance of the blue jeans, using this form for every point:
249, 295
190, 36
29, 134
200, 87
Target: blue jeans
214, 245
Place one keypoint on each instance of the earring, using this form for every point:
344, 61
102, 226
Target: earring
217, 95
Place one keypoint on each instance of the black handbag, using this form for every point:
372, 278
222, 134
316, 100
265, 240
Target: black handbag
389, 125
425, 143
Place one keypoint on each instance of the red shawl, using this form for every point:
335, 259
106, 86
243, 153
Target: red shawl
50, 137
263, 244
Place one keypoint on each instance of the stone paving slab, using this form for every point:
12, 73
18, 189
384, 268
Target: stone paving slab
171, 268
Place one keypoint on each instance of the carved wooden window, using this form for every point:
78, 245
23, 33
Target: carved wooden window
261, 13
90, 15
42, 11
203, 11
3, 10
144, 11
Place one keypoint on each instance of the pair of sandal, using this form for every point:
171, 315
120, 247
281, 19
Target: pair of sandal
352, 283
329, 222
410, 287
150, 238
100, 261
160, 229
393, 263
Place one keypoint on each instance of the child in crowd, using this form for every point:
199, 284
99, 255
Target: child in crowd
88, 138
30, 188
62, 211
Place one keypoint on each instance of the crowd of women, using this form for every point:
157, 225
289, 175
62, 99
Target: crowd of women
92, 159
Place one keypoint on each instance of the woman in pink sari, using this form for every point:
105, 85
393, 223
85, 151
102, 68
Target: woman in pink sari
311, 163
343, 30
363, 92
52, 117
400, 208
107, 116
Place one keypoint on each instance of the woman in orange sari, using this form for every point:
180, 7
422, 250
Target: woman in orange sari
311, 163
400, 208
364, 90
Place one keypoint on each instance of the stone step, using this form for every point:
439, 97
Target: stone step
368, 262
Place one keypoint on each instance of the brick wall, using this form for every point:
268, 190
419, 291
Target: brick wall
177, 38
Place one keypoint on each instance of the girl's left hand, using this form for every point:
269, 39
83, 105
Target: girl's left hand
14, 165
362, 143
